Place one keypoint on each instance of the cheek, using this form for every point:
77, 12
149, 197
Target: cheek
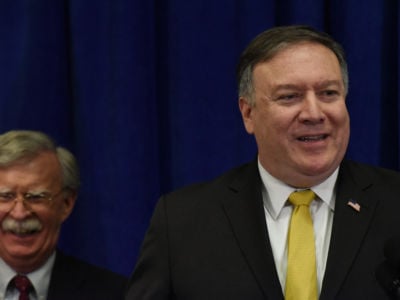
276, 127
273, 126
2, 216
339, 112
51, 220
342, 121
263, 119
51, 229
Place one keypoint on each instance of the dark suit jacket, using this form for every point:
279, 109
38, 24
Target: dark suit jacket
74, 279
210, 241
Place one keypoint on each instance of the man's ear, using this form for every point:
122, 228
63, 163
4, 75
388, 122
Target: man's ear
246, 110
68, 203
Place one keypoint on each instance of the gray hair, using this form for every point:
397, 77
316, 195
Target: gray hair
17, 145
268, 43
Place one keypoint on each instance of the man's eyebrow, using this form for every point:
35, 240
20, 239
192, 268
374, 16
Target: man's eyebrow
5, 190
329, 83
37, 191
320, 84
279, 87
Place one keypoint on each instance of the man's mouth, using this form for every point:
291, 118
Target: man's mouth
23, 232
313, 138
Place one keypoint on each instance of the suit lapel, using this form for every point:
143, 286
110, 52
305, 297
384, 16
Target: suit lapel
65, 280
349, 227
244, 209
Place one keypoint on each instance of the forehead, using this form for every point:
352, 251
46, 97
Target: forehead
301, 62
285, 48
43, 168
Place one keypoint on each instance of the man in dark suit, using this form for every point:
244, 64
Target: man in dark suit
38, 188
228, 238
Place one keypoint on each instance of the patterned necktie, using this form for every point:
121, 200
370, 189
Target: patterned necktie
23, 285
301, 277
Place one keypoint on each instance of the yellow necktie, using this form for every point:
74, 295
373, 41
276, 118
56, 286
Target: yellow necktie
301, 277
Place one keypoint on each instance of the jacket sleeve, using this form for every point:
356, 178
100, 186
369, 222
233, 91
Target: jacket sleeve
151, 277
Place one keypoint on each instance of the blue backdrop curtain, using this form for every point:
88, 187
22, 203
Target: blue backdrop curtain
144, 93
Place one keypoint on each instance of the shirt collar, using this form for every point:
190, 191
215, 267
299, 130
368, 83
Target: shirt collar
276, 192
6, 273
39, 278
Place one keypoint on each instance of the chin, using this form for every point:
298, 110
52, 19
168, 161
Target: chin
319, 170
21, 251
22, 246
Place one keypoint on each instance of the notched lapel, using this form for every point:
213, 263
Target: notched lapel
65, 280
245, 212
349, 227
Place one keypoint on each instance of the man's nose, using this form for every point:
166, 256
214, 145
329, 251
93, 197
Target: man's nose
19, 209
311, 111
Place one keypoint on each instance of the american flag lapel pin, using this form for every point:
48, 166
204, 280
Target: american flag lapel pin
354, 205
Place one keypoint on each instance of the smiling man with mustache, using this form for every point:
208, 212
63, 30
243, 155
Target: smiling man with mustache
38, 188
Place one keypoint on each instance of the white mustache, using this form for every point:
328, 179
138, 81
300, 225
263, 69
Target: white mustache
21, 227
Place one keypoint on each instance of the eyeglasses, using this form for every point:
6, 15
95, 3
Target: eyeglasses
31, 199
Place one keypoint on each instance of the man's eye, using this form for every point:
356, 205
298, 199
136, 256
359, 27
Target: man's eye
288, 97
4, 197
329, 93
35, 197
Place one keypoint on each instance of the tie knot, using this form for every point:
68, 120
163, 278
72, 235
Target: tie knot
22, 283
304, 197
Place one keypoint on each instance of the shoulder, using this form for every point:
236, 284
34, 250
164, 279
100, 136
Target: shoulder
75, 265
231, 180
72, 277
361, 172
206, 198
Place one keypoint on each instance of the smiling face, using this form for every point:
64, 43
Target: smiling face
26, 250
299, 119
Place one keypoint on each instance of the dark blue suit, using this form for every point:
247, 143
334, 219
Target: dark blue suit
210, 241
74, 279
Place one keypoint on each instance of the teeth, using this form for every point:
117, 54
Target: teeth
311, 138
26, 232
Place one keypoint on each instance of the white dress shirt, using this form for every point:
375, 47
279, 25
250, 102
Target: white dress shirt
40, 280
278, 212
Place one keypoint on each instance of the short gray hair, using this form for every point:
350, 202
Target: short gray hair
17, 145
268, 43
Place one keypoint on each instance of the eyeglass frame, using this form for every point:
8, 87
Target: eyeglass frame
30, 199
